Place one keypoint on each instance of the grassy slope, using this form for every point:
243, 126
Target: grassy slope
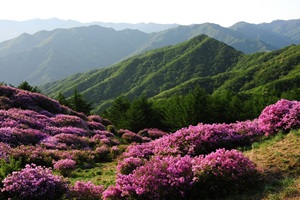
279, 159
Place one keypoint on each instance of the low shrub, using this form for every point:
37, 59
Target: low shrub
85, 191
35, 183
283, 115
127, 165
65, 166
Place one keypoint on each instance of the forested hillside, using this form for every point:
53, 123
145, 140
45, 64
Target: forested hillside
200, 62
48, 56
53, 55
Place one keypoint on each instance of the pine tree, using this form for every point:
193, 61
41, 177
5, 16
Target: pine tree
142, 114
26, 86
78, 103
116, 113
62, 99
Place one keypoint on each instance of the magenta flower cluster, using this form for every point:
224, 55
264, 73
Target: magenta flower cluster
34, 182
129, 164
200, 139
85, 191
152, 133
177, 177
5, 151
283, 115
222, 172
191, 163
65, 166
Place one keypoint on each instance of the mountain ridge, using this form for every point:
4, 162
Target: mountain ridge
201, 61
48, 56
11, 28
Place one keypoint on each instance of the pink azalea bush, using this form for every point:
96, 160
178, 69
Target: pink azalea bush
31, 101
177, 177
283, 115
95, 125
85, 191
115, 151
129, 137
152, 133
200, 139
102, 153
65, 166
69, 120
5, 151
34, 182
127, 165
222, 172
160, 178
72, 141
17, 136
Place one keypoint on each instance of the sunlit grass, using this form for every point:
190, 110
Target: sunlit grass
100, 174
279, 160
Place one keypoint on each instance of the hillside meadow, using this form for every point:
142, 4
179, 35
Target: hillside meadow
52, 152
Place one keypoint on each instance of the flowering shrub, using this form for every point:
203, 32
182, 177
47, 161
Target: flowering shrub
53, 130
112, 193
160, 178
176, 177
102, 153
82, 156
29, 100
34, 182
65, 166
222, 172
72, 141
104, 138
95, 126
127, 165
5, 150
115, 151
283, 115
106, 133
69, 120
16, 136
85, 191
15, 117
129, 137
200, 139
152, 133
5, 103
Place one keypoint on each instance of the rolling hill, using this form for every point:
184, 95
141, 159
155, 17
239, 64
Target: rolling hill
52, 55
201, 61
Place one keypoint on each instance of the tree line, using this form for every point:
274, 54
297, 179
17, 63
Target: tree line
173, 113
195, 107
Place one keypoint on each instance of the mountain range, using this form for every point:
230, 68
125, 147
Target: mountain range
11, 29
48, 56
201, 61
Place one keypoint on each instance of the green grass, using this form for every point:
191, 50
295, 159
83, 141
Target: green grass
100, 174
279, 160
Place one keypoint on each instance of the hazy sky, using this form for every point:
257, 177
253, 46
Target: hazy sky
224, 12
